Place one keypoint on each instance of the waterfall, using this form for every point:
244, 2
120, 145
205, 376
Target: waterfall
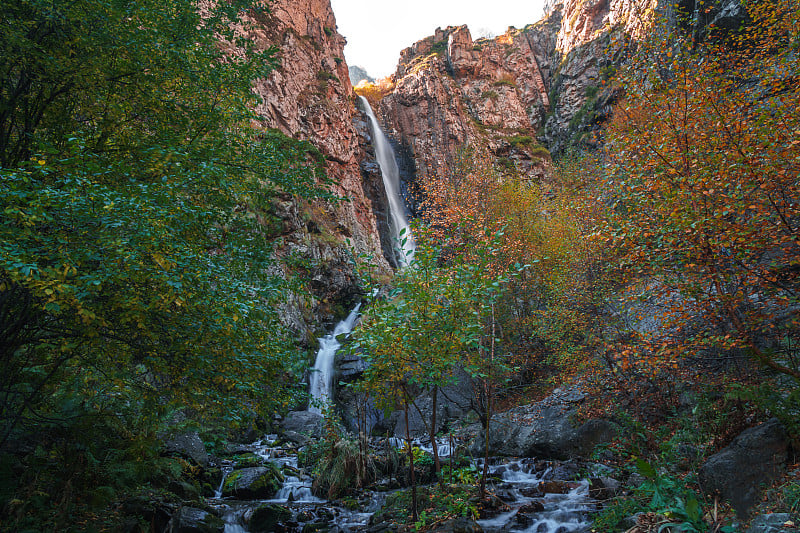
398, 223
322, 373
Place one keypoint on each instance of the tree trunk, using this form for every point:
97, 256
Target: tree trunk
412, 476
432, 433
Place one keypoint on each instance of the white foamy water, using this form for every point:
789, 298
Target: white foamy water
404, 244
322, 373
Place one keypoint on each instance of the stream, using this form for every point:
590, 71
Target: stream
535, 501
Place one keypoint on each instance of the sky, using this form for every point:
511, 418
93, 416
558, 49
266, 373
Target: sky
377, 31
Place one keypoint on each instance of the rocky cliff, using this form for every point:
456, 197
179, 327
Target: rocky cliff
529, 87
310, 97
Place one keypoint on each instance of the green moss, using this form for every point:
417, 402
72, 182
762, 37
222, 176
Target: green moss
439, 47
521, 140
505, 82
328, 31
267, 517
490, 95
246, 460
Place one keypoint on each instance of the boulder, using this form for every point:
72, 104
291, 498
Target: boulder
755, 457
771, 523
265, 519
603, 488
255, 483
300, 426
458, 525
188, 445
192, 520
544, 430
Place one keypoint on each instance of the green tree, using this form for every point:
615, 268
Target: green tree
436, 319
137, 224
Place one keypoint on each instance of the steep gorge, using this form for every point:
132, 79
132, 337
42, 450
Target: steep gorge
529, 87
309, 97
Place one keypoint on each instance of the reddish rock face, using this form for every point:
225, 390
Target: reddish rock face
505, 92
310, 97
451, 91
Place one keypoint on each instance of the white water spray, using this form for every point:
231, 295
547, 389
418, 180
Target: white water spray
322, 373
404, 244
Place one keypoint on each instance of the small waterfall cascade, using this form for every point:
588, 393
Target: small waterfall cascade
400, 230
322, 373
538, 506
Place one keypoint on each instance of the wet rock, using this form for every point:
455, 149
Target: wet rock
300, 426
458, 525
507, 495
317, 527
266, 518
557, 487
755, 457
772, 523
255, 483
533, 507
192, 520
531, 492
188, 445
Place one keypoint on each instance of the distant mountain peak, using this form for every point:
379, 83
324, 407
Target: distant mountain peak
359, 74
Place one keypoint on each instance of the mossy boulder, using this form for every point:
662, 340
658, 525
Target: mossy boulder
192, 520
260, 482
247, 460
266, 518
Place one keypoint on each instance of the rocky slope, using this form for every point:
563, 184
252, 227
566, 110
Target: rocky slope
310, 97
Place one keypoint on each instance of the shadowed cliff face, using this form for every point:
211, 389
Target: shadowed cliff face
309, 97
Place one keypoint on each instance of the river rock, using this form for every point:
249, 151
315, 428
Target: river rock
188, 445
544, 430
458, 525
265, 519
771, 523
255, 483
755, 457
192, 520
299, 426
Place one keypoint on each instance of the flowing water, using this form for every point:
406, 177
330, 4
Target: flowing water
537, 503
322, 373
404, 244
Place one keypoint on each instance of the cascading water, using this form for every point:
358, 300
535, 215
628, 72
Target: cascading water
401, 233
322, 373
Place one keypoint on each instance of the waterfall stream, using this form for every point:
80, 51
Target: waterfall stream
404, 244
322, 373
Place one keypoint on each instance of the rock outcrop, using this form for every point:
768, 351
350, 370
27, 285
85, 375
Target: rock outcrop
451, 91
542, 82
544, 430
754, 458
309, 97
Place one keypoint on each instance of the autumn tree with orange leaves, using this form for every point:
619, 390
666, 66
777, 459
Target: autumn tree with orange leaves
551, 311
703, 165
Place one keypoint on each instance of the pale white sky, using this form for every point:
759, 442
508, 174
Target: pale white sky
377, 31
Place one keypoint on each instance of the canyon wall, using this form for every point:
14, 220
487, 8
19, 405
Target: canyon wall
310, 97
517, 94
